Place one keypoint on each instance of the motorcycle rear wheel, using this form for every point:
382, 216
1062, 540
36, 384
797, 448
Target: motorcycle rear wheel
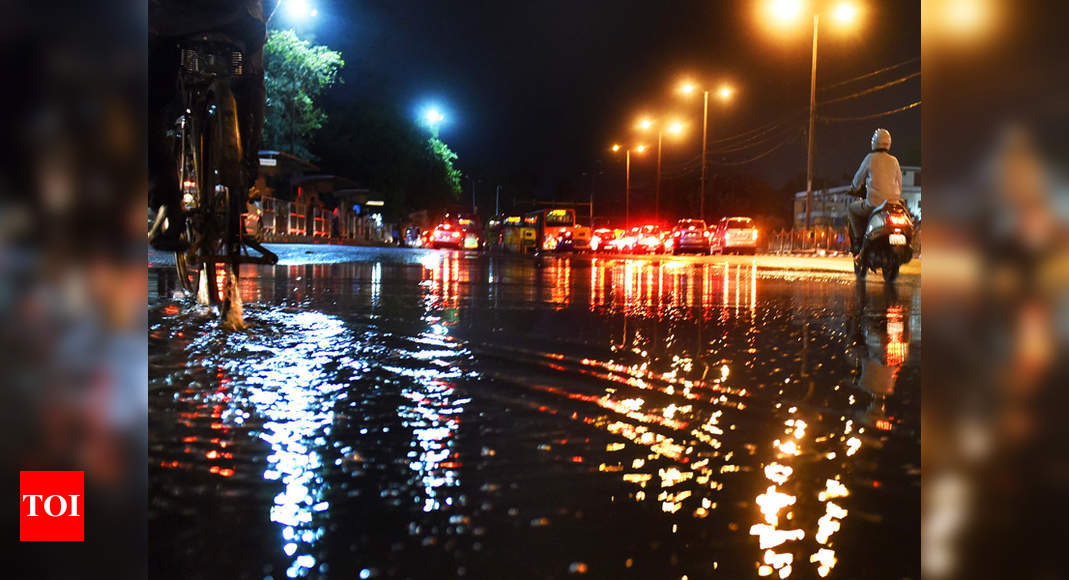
890, 272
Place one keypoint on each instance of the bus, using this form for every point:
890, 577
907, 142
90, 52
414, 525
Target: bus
556, 230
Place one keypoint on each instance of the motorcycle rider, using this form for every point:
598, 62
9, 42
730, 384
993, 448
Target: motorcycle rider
882, 176
169, 22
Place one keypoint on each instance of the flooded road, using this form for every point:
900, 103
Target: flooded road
429, 414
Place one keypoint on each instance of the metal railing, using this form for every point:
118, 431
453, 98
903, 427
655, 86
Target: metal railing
282, 220
826, 241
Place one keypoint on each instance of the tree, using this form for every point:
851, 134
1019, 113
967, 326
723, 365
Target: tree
378, 144
445, 156
295, 75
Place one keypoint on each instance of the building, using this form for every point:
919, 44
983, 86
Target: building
297, 202
829, 205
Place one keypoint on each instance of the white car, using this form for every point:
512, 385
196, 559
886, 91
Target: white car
734, 234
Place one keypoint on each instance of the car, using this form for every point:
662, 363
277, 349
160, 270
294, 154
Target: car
647, 239
735, 234
689, 236
447, 235
601, 240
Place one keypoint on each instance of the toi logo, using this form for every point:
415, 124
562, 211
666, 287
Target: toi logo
51, 506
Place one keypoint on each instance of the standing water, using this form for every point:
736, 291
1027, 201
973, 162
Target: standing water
418, 414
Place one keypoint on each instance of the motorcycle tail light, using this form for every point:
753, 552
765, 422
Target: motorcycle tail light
898, 219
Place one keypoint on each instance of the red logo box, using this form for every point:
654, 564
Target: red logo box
51, 506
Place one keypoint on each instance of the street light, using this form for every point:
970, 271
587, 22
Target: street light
725, 93
845, 13
674, 128
432, 117
297, 11
300, 10
639, 148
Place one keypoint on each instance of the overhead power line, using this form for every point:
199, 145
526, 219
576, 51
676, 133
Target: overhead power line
766, 153
888, 84
870, 74
872, 116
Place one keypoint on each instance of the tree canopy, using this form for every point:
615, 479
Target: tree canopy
296, 74
378, 144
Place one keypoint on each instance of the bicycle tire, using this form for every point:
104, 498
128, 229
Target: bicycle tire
225, 157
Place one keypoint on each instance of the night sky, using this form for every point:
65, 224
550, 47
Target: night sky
544, 87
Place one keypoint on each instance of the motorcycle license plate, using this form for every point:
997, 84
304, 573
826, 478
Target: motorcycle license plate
898, 239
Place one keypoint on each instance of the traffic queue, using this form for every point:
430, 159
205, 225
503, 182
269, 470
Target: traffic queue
555, 230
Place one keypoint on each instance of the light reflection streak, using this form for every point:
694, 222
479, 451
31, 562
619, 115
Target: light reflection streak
287, 387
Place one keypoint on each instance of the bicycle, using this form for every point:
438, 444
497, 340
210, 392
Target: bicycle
208, 146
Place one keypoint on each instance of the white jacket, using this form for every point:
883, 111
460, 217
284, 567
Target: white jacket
882, 176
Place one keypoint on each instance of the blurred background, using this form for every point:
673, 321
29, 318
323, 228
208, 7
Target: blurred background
995, 473
995, 145
72, 273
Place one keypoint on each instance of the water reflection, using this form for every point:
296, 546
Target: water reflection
743, 421
285, 397
693, 365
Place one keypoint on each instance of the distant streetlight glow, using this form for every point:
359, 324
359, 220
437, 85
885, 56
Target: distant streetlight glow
433, 117
615, 147
645, 124
640, 148
845, 13
785, 12
676, 128
299, 10
724, 92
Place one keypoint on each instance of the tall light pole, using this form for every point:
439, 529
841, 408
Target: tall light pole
845, 13
705, 153
674, 128
812, 126
627, 180
724, 93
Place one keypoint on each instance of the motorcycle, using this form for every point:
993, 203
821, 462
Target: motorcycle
888, 240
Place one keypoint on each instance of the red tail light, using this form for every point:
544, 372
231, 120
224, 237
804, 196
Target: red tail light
898, 219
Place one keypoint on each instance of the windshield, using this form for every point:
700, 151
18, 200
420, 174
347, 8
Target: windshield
560, 217
697, 224
738, 224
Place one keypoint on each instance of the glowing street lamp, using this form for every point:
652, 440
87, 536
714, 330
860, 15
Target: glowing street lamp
725, 93
300, 10
297, 11
432, 117
844, 13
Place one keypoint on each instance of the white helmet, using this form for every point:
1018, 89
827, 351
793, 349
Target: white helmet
881, 139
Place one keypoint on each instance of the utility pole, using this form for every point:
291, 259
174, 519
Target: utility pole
657, 196
627, 193
705, 132
812, 123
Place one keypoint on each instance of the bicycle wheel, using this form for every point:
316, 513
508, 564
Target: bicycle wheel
187, 172
227, 187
